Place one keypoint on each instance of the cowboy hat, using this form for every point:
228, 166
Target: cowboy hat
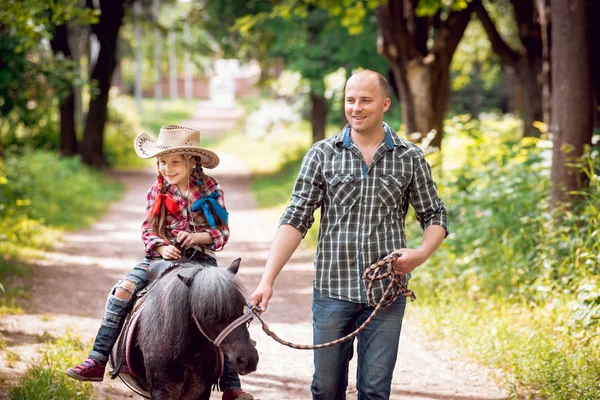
174, 139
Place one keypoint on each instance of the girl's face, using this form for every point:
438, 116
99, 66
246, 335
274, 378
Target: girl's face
176, 169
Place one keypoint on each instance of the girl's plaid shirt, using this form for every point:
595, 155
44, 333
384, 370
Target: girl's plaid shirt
184, 220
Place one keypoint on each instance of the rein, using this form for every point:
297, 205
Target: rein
392, 292
246, 317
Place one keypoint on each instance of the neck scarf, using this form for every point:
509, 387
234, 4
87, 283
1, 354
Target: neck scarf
206, 203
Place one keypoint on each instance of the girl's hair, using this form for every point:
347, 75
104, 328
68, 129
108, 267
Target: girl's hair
157, 221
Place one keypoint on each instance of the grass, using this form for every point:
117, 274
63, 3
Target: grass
530, 344
46, 380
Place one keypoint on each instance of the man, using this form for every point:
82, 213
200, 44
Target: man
363, 179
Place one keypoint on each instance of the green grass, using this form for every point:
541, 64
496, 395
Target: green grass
531, 344
46, 380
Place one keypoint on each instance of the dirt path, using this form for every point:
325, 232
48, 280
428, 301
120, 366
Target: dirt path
70, 288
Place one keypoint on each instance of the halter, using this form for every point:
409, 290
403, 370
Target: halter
245, 318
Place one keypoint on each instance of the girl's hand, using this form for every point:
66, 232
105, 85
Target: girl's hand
187, 239
169, 252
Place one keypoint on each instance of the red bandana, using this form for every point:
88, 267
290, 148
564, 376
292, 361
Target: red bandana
171, 205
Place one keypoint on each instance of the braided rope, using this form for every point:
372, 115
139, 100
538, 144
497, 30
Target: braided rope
393, 290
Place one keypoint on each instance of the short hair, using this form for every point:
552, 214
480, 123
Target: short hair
383, 83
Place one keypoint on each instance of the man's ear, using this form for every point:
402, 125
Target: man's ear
386, 104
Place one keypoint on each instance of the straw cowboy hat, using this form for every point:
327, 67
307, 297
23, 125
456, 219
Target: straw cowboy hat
173, 139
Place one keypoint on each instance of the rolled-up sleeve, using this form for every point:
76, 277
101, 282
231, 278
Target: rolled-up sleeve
429, 208
307, 194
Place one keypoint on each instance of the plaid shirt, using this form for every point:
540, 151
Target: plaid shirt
184, 220
363, 208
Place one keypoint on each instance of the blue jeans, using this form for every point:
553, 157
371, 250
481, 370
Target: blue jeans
377, 347
116, 313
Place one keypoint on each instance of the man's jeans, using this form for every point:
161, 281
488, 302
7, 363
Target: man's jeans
377, 347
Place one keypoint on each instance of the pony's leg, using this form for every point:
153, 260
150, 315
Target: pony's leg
196, 387
165, 381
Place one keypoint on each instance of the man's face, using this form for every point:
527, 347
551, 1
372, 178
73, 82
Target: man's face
365, 103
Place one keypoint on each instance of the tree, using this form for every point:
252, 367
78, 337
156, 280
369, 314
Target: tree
304, 37
572, 95
419, 44
68, 132
107, 32
29, 77
527, 61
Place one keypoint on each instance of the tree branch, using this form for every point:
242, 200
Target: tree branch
451, 32
508, 55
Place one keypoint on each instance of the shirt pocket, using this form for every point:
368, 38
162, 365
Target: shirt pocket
391, 190
342, 189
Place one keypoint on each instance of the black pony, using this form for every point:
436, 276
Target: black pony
170, 339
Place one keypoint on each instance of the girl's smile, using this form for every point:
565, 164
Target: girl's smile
176, 169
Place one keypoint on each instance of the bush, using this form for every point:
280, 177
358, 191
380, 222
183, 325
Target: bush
41, 194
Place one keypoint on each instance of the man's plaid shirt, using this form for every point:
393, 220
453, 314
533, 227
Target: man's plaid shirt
185, 220
362, 208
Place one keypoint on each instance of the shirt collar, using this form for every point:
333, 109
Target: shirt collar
391, 140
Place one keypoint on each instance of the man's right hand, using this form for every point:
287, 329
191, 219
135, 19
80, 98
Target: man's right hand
261, 296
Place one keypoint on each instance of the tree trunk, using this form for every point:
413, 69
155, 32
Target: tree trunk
172, 58
595, 55
543, 9
137, 29
572, 99
107, 32
527, 60
422, 75
157, 56
318, 116
68, 133
425, 91
529, 74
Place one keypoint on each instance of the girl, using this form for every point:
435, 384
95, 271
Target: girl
183, 205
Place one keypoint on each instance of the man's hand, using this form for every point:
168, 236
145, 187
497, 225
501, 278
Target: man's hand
409, 260
261, 296
169, 252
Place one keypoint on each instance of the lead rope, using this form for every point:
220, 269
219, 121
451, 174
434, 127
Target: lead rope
395, 288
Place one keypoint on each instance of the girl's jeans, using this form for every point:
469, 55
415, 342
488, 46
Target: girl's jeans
117, 310
377, 347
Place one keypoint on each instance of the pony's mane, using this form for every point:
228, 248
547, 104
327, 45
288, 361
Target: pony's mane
215, 295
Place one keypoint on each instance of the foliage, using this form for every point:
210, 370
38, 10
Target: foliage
46, 380
524, 278
41, 194
30, 79
122, 125
173, 17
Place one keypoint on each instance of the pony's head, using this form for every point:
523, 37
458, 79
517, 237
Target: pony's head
217, 299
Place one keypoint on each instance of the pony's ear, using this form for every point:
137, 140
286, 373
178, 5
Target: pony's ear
235, 265
187, 275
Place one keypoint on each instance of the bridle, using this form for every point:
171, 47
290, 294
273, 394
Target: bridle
246, 318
